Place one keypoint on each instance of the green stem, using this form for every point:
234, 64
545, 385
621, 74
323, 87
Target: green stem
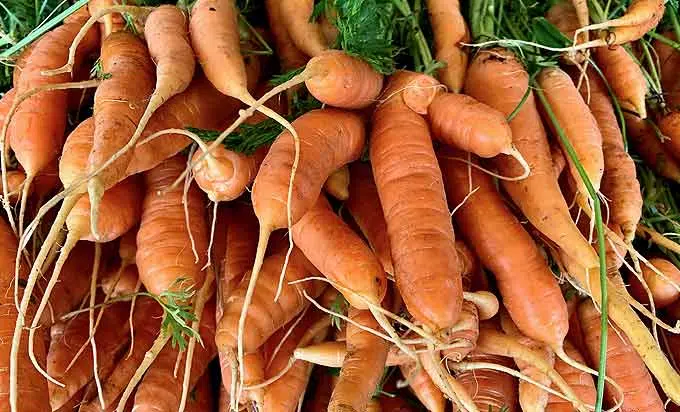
600, 243
673, 14
597, 14
655, 81
43, 29
421, 43
665, 40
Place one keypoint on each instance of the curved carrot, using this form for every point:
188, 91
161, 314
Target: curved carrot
487, 80
415, 191
580, 381
450, 29
625, 78
287, 52
307, 35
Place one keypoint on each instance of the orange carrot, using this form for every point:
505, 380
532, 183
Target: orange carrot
412, 173
669, 125
653, 152
362, 367
287, 52
202, 398
480, 218
450, 30
663, 291
624, 77
306, 34
364, 206
68, 338
491, 390
488, 78
563, 15
624, 365
31, 387
120, 281
423, 387
158, 391
579, 125
111, 22
580, 381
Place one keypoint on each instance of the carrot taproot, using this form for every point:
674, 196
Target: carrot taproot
578, 123
422, 386
363, 205
651, 149
450, 30
488, 80
624, 76
29, 384
624, 365
289, 55
156, 392
490, 389
412, 173
479, 219
306, 34
619, 182
362, 367
663, 290
66, 341
127, 59
580, 381
337, 184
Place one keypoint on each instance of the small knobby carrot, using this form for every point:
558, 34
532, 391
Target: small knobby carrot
289, 55
422, 386
306, 34
578, 124
488, 80
664, 291
118, 106
580, 381
491, 390
363, 205
624, 76
362, 367
450, 30
624, 365
412, 196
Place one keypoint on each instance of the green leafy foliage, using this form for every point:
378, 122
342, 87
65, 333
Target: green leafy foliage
340, 306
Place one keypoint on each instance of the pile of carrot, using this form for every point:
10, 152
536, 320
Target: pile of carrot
399, 205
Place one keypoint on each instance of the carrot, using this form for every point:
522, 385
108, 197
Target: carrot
423, 387
111, 22
120, 281
395, 404
38, 125
487, 81
364, 206
624, 365
652, 151
663, 290
253, 374
619, 183
578, 123
464, 335
668, 60
306, 34
580, 381
289, 55
337, 184
563, 15
202, 398
490, 136
30, 385
146, 325
127, 60
639, 18
66, 341
491, 390
158, 391
363, 366
449, 28
479, 219
410, 187
15, 180
670, 127
624, 76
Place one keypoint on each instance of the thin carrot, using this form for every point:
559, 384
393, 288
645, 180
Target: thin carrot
488, 78
624, 76
450, 30
410, 187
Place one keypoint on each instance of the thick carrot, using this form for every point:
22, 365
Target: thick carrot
163, 232
578, 123
289, 55
480, 220
337, 184
112, 338
624, 77
307, 35
411, 190
362, 367
580, 381
619, 183
364, 206
652, 151
624, 365
488, 80
450, 29
423, 387
146, 325
663, 291
491, 390
158, 391
126, 58
31, 387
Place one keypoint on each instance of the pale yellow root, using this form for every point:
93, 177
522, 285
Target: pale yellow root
93, 295
24, 199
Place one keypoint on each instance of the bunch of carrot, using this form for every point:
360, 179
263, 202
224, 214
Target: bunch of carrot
470, 219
